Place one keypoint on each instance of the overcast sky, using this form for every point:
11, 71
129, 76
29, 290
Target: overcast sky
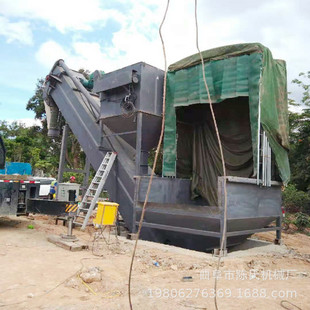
107, 35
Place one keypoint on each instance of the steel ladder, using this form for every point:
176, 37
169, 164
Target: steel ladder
94, 190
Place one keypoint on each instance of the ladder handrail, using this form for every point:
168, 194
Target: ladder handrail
101, 174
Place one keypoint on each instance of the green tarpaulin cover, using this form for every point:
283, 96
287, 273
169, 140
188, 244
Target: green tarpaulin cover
242, 70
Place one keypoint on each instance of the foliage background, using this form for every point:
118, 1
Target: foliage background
32, 145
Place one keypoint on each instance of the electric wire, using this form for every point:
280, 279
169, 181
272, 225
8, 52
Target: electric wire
282, 304
155, 159
53, 288
223, 237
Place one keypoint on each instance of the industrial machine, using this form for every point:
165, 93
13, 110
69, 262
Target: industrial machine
122, 113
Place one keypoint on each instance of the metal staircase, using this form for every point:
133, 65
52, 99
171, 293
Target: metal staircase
94, 190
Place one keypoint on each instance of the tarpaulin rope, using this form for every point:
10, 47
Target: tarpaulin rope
155, 160
221, 153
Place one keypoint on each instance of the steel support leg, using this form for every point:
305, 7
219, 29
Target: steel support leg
69, 235
141, 155
86, 177
218, 252
70, 225
278, 239
62, 159
138, 143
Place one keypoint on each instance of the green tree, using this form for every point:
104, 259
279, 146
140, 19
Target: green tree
36, 102
304, 79
300, 137
51, 147
295, 200
29, 144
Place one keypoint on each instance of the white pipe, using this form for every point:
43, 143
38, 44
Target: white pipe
258, 135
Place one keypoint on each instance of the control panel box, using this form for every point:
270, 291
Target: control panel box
64, 189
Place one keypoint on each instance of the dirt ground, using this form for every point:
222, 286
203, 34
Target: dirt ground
36, 274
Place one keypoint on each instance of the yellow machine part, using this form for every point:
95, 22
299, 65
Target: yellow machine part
106, 213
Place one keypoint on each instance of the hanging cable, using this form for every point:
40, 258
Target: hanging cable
223, 237
155, 159
283, 302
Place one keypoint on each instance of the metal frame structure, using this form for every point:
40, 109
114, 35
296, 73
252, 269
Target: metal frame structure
62, 162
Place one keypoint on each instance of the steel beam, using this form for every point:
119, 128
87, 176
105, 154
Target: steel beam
62, 159
251, 231
182, 229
